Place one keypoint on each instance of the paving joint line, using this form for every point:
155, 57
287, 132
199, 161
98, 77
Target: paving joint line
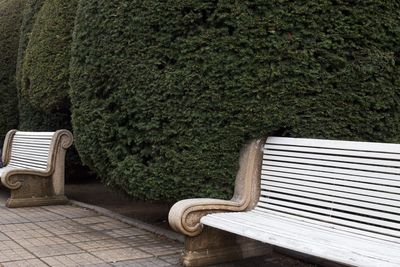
130, 221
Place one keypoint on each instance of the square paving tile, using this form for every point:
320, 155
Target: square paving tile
71, 211
93, 220
174, 259
154, 245
15, 255
26, 234
41, 241
19, 227
84, 237
63, 227
111, 225
152, 262
8, 244
81, 259
55, 250
104, 244
3, 237
125, 232
121, 254
25, 263
42, 215
7, 217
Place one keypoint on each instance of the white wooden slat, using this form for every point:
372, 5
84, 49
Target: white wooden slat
335, 164
352, 229
332, 151
354, 159
29, 160
288, 165
323, 180
30, 156
314, 244
335, 144
334, 206
359, 202
303, 189
32, 149
343, 216
24, 166
28, 146
32, 152
33, 137
336, 176
38, 164
333, 188
29, 164
332, 221
33, 134
320, 233
41, 142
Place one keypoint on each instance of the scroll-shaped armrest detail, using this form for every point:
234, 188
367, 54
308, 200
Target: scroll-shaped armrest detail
185, 215
6, 176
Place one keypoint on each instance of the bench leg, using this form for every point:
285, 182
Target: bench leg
34, 191
214, 246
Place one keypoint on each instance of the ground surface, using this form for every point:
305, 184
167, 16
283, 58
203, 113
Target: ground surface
95, 193
73, 236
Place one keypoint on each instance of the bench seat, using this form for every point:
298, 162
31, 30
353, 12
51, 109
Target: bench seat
309, 237
330, 199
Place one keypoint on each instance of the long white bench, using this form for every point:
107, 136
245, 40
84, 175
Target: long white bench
34, 167
335, 200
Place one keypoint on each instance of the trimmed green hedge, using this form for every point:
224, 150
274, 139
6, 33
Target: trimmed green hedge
31, 8
44, 100
165, 93
45, 71
10, 21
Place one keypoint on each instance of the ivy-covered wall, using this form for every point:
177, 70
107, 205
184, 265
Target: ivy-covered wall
10, 22
165, 93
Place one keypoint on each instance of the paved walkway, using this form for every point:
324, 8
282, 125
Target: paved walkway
74, 236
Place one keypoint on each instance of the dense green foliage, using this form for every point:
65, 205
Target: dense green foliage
31, 8
45, 71
44, 100
10, 21
164, 93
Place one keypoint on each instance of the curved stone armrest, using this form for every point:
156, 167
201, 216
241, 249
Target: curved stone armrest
185, 215
7, 175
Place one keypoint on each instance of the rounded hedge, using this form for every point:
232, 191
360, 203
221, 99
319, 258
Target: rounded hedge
165, 93
31, 8
44, 100
10, 21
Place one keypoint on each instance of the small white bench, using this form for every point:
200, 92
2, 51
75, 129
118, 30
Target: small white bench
335, 200
34, 167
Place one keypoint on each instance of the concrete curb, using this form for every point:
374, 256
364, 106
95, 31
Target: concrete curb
133, 222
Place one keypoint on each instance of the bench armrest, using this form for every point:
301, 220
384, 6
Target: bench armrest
185, 215
8, 174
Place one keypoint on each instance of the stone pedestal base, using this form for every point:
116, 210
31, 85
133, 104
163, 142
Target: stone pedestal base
34, 202
34, 191
214, 246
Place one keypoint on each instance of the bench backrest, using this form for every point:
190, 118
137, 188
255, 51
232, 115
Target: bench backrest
349, 185
30, 150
